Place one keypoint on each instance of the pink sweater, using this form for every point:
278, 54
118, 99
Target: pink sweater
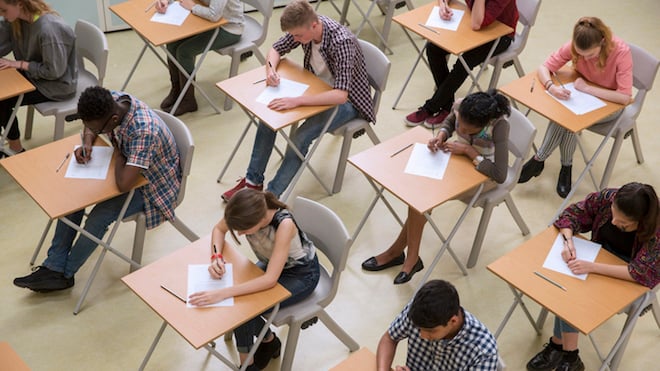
617, 74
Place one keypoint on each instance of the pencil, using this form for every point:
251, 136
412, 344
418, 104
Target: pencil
428, 28
62, 163
531, 88
174, 294
559, 81
401, 150
151, 6
549, 280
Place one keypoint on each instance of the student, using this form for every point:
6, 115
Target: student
483, 134
44, 51
285, 254
484, 12
441, 334
145, 146
625, 222
187, 49
601, 59
334, 55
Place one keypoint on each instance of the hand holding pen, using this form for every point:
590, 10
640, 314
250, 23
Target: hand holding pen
436, 142
272, 77
161, 6
445, 11
568, 252
559, 91
84, 152
217, 267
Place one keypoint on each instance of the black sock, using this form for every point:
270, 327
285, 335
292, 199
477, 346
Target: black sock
554, 345
570, 355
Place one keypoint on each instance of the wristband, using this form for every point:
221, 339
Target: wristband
546, 85
217, 256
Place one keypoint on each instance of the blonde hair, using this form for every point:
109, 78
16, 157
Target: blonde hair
590, 32
32, 7
297, 13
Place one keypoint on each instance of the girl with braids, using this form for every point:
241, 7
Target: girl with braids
625, 222
483, 134
44, 51
606, 63
285, 254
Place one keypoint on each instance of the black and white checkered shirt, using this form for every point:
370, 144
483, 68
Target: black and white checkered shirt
473, 348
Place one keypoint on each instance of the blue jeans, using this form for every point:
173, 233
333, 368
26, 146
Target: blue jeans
300, 280
302, 138
64, 256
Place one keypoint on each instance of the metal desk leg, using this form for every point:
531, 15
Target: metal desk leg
379, 195
153, 346
475, 80
420, 54
517, 300
5, 132
41, 242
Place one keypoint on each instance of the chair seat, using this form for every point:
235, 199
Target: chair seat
251, 32
308, 307
351, 126
69, 106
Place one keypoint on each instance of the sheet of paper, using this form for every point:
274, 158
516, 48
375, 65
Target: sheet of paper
584, 250
175, 15
199, 279
579, 103
434, 19
286, 88
423, 162
96, 168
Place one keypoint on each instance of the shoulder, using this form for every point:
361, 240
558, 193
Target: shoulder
336, 32
54, 25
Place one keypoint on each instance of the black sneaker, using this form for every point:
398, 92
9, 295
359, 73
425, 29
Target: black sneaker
545, 360
266, 352
44, 280
576, 365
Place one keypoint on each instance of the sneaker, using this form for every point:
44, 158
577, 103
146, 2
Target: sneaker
576, 365
242, 183
435, 121
267, 351
417, 118
44, 280
547, 359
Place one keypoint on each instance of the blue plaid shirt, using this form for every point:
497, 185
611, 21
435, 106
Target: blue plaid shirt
343, 56
147, 143
473, 348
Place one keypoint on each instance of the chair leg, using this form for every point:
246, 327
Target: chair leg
233, 70
656, 312
519, 69
290, 348
637, 145
481, 233
372, 134
339, 332
59, 127
29, 119
495, 77
341, 164
138, 239
614, 153
508, 200
184, 230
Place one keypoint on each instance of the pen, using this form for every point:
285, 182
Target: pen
559, 81
566, 242
401, 150
271, 67
549, 280
428, 28
146, 10
62, 163
531, 88
216, 255
82, 145
173, 293
258, 81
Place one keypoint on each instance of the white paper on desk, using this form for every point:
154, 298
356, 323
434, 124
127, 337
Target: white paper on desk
434, 19
96, 168
584, 250
175, 15
286, 89
423, 162
199, 279
579, 103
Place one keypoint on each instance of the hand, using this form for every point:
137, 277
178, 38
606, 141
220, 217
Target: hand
217, 269
79, 154
568, 252
401, 368
436, 142
559, 92
187, 4
8, 63
273, 78
281, 104
161, 6
581, 85
456, 148
445, 12
203, 298
580, 266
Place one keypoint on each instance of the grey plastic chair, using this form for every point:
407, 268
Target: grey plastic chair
527, 11
91, 45
645, 69
254, 34
521, 137
331, 238
378, 70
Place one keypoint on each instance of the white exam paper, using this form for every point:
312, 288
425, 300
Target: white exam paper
175, 15
579, 103
423, 162
434, 19
199, 279
286, 89
584, 250
96, 168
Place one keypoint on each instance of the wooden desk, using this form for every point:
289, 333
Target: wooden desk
10, 360
244, 89
362, 360
585, 304
456, 42
13, 84
421, 193
155, 34
35, 172
200, 326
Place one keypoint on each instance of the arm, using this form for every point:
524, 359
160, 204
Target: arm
497, 170
578, 266
55, 53
478, 13
125, 175
602, 93
88, 140
272, 61
385, 352
217, 266
212, 12
548, 83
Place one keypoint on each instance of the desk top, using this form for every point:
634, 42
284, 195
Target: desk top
456, 42
199, 326
13, 84
132, 12
541, 102
363, 360
58, 196
421, 193
585, 304
10, 360
243, 89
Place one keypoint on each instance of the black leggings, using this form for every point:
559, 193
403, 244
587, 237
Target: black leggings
7, 106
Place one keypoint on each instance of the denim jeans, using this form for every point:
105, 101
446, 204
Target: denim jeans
300, 280
302, 138
64, 256
187, 49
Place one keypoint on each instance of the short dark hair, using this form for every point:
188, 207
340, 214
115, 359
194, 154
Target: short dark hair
95, 103
434, 304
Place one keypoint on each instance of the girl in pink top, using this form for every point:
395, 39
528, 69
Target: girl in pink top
600, 59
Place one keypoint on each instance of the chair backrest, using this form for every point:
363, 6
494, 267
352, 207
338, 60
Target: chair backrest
329, 235
521, 138
265, 7
91, 44
378, 70
185, 144
645, 69
527, 12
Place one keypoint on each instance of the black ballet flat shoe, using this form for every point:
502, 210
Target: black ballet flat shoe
404, 277
371, 264
564, 181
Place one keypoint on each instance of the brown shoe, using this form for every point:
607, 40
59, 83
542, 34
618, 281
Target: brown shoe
188, 103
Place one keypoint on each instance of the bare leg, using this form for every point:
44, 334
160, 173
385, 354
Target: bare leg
569, 340
415, 224
15, 145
